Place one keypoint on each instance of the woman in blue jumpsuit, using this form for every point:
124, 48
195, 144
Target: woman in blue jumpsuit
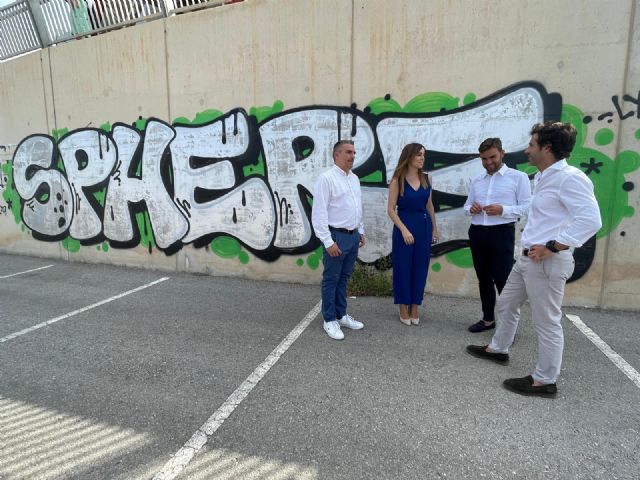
411, 210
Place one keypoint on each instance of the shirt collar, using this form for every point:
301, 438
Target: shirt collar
502, 171
559, 165
340, 171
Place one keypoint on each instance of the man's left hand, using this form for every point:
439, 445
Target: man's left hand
493, 209
362, 242
537, 253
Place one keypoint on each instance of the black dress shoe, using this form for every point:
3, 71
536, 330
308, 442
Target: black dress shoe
481, 352
481, 327
524, 386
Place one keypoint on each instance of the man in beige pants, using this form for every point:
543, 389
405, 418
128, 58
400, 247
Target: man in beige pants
563, 215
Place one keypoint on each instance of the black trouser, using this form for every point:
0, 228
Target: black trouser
492, 252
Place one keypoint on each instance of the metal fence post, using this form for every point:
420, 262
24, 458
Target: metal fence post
35, 10
167, 7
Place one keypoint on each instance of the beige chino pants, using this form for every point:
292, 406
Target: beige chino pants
543, 284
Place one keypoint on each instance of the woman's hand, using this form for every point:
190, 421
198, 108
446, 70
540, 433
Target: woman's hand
435, 237
407, 236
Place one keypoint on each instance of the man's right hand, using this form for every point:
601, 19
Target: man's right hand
475, 208
334, 250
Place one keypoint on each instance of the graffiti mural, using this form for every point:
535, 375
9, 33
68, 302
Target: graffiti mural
245, 180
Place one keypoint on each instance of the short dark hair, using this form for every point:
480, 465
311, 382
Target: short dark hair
491, 142
339, 143
561, 137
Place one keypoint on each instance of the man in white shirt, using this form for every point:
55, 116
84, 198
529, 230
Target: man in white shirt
336, 217
563, 215
497, 199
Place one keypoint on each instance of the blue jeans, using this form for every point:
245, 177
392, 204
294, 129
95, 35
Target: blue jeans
335, 276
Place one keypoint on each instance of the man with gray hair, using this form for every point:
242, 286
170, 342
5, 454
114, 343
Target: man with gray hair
563, 215
336, 217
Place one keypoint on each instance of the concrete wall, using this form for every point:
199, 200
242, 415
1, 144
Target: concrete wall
191, 143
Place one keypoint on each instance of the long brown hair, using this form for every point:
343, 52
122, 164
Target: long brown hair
400, 173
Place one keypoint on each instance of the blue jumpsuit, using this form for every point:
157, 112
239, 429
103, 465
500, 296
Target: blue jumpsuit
411, 262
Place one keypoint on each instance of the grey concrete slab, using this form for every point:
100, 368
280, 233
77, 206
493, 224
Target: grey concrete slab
12, 264
406, 402
620, 330
115, 391
35, 297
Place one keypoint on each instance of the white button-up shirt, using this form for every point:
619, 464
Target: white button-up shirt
563, 208
337, 202
507, 187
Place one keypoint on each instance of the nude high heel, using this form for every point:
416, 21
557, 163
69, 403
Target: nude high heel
415, 321
406, 321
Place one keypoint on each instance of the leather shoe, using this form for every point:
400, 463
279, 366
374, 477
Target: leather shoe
481, 352
481, 327
524, 386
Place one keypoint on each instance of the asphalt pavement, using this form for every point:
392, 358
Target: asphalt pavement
110, 372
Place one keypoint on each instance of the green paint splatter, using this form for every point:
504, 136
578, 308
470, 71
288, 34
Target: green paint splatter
10, 194
375, 177
256, 168
98, 247
424, 103
225, 247
469, 98
71, 245
106, 127
604, 136
58, 133
99, 196
147, 238
141, 124
436, 267
105, 247
638, 134
381, 105
574, 116
313, 260
205, 116
431, 102
606, 174
243, 257
263, 113
299, 262
460, 258
526, 168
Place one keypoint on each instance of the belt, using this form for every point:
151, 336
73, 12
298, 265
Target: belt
343, 230
490, 227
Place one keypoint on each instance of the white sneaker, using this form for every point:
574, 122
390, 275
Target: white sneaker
333, 330
350, 322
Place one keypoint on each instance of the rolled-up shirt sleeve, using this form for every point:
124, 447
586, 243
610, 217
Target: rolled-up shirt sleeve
319, 215
581, 202
523, 199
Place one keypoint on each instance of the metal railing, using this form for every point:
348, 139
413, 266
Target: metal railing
18, 32
28, 25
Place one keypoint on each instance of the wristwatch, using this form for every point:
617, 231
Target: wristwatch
551, 245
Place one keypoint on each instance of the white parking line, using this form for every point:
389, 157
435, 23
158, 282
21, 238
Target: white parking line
183, 456
26, 271
617, 360
80, 310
